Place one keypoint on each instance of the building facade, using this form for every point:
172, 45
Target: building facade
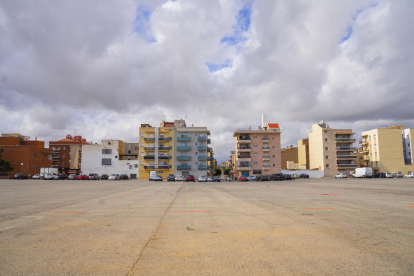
258, 151
303, 154
331, 150
289, 155
106, 158
388, 149
25, 155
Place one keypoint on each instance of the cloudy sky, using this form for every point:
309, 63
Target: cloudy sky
103, 67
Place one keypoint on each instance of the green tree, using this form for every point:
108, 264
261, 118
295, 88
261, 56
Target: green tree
226, 171
218, 172
4, 165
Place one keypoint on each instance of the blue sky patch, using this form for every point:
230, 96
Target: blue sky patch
243, 24
215, 67
350, 30
142, 23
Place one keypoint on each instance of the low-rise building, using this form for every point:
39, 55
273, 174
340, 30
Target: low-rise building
106, 158
25, 155
289, 155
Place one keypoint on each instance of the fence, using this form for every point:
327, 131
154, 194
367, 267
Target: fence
4, 175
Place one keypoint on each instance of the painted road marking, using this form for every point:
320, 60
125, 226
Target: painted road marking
66, 211
191, 211
330, 194
318, 208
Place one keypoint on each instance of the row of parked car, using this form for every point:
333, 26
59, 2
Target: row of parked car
376, 175
272, 177
62, 176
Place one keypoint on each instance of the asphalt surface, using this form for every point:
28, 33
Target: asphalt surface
300, 227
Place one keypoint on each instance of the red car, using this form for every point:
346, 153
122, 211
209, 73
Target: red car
83, 177
190, 178
242, 179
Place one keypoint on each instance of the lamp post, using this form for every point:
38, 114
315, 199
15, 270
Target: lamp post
21, 170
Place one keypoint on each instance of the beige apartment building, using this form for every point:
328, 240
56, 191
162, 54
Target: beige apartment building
331, 150
303, 154
289, 158
258, 151
388, 149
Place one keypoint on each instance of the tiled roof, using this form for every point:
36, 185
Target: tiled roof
273, 125
65, 140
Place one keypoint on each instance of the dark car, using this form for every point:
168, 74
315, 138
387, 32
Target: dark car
278, 176
124, 177
94, 176
264, 177
171, 177
380, 175
288, 177
304, 175
216, 179
190, 178
105, 177
20, 176
62, 176
259, 178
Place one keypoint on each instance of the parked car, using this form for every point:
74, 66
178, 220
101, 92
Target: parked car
20, 176
93, 176
179, 178
62, 176
304, 175
82, 177
73, 176
190, 178
265, 177
114, 177
278, 176
216, 179
251, 177
295, 176
209, 179
341, 175
409, 175
288, 177
379, 175
158, 178
48, 176
362, 172
202, 178
389, 175
104, 177
243, 179
55, 176
124, 177
36, 176
398, 175
171, 177
228, 178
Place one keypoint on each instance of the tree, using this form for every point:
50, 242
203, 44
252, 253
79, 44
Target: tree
4, 165
218, 172
226, 171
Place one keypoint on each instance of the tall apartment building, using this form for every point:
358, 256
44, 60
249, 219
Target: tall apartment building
108, 158
258, 151
303, 154
192, 151
25, 155
331, 150
388, 149
67, 154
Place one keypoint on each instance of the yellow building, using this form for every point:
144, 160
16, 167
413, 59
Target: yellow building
388, 149
289, 155
156, 151
303, 154
331, 150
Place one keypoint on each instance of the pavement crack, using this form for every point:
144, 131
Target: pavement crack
154, 234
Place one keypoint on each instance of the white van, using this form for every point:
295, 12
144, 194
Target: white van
152, 175
363, 172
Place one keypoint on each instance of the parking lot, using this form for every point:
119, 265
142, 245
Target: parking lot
135, 227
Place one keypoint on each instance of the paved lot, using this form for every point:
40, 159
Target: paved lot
316, 226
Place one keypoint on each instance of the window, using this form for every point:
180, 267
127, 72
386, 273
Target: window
142, 135
142, 163
63, 164
273, 147
255, 145
273, 165
142, 145
142, 153
326, 131
129, 152
151, 136
136, 165
273, 156
136, 148
106, 161
256, 163
34, 154
107, 151
255, 154
326, 139
34, 168
130, 167
257, 171
161, 135
63, 156
49, 157
64, 148
254, 136
44, 155
109, 143
326, 148
326, 157
273, 138
327, 165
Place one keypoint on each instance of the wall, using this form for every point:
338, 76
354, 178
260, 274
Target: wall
311, 173
391, 151
303, 152
316, 148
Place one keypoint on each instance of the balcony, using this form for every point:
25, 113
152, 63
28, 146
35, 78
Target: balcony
344, 166
56, 150
184, 167
346, 148
244, 158
266, 148
266, 140
202, 158
367, 158
244, 141
149, 157
163, 167
202, 148
208, 141
149, 148
266, 167
183, 139
183, 158
54, 158
202, 167
363, 142
164, 157
183, 148
55, 166
345, 157
244, 168
165, 139
202, 139
209, 149
266, 158
149, 139
164, 148
157, 167
345, 140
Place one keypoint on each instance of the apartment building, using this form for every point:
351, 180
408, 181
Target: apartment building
258, 151
289, 155
25, 155
192, 151
105, 158
303, 154
67, 153
388, 149
331, 150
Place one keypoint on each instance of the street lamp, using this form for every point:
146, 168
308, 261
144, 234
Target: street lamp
21, 171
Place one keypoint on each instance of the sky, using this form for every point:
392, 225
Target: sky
101, 68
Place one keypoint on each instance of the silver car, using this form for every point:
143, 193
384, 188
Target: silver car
114, 177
